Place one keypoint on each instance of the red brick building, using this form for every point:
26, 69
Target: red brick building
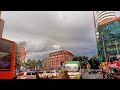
58, 58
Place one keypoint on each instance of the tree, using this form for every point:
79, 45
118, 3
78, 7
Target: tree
94, 62
39, 64
82, 59
20, 62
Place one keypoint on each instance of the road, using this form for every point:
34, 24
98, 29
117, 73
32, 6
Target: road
86, 75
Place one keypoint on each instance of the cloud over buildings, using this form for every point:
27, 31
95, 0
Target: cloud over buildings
47, 31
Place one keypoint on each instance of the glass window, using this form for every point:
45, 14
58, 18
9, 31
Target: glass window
72, 68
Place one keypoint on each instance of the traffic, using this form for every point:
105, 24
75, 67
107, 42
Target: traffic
71, 70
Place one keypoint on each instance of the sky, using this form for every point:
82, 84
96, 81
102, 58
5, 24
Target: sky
49, 31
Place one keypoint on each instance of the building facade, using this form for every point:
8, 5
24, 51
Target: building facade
103, 15
57, 59
108, 44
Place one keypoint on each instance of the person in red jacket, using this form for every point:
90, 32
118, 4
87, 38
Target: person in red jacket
116, 62
119, 63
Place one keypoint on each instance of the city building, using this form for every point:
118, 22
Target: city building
57, 59
1, 25
45, 63
108, 44
104, 15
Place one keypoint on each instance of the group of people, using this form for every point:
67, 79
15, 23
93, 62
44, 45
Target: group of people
113, 66
114, 63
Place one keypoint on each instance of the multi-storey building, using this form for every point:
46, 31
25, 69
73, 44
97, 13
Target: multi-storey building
57, 59
108, 44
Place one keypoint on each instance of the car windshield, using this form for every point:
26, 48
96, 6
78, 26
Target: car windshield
71, 68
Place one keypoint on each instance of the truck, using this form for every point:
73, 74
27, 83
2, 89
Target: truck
73, 68
7, 59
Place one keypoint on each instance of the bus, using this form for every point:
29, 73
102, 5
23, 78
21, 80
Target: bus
74, 69
7, 59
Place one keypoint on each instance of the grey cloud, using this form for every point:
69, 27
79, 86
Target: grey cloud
71, 30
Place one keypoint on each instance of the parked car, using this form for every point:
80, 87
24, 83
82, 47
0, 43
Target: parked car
42, 74
22, 75
31, 75
55, 73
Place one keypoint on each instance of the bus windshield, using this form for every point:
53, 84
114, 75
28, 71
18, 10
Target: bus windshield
71, 67
5, 55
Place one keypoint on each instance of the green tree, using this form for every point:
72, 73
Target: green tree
39, 63
80, 58
94, 62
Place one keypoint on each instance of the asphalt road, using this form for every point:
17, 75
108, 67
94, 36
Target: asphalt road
86, 75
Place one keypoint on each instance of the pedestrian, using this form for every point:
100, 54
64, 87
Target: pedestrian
37, 76
104, 65
65, 75
88, 67
119, 63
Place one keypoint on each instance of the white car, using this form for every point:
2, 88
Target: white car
22, 75
54, 73
42, 74
31, 75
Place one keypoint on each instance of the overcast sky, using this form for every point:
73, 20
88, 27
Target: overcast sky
48, 31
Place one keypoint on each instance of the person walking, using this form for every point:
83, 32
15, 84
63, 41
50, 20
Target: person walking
37, 76
65, 75
88, 67
103, 68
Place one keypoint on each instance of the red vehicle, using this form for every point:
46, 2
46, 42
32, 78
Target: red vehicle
7, 59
